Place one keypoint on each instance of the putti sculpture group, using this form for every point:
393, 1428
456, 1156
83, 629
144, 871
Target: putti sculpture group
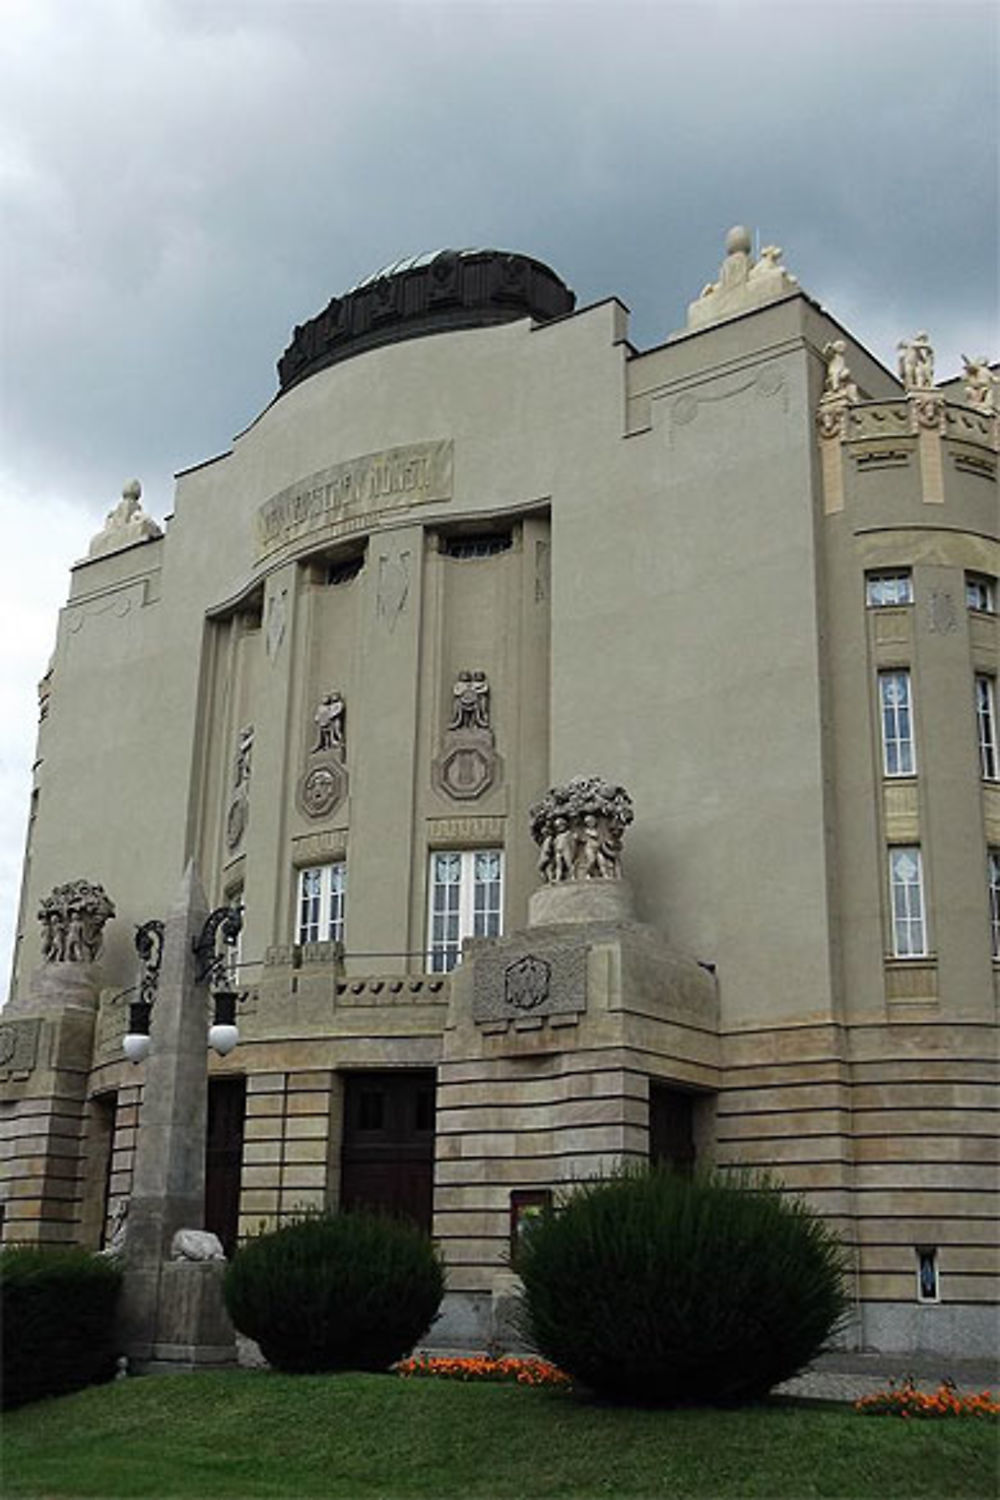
73, 919
579, 829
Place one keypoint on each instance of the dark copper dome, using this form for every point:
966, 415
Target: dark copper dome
434, 293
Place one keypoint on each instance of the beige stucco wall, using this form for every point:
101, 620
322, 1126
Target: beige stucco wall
682, 609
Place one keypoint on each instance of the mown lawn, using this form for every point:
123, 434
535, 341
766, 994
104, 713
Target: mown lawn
256, 1433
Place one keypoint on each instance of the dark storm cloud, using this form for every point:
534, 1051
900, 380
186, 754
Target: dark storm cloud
185, 181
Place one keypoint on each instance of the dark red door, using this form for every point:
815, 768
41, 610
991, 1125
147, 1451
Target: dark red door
387, 1160
224, 1158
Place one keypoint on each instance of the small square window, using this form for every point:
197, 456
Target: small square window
888, 588
981, 593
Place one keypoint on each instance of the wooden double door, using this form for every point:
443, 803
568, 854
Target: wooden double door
387, 1158
224, 1158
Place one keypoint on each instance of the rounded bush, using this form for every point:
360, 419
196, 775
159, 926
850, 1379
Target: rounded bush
658, 1288
57, 1309
350, 1291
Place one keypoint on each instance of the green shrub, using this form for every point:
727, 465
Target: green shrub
57, 1307
350, 1291
663, 1289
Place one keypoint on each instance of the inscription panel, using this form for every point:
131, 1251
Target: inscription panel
353, 496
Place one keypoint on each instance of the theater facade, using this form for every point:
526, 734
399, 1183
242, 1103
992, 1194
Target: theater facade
602, 747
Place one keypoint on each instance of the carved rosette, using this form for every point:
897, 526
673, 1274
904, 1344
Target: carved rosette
467, 764
579, 829
322, 788
73, 919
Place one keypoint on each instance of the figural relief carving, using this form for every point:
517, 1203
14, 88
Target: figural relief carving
323, 785
467, 763
579, 829
239, 806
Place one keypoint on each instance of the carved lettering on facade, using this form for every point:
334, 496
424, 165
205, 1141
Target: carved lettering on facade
352, 496
465, 830
314, 846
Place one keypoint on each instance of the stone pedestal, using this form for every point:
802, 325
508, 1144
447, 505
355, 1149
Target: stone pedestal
581, 901
46, 1042
554, 1036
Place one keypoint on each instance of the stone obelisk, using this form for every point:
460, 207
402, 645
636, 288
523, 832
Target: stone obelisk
172, 1313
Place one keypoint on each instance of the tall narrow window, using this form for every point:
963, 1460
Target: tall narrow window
994, 882
322, 898
890, 587
897, 723
986, 719
906, 891
466, 900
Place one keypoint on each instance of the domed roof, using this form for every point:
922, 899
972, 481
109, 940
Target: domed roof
434, 293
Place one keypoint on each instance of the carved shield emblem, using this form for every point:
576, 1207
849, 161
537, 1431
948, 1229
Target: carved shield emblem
526, 982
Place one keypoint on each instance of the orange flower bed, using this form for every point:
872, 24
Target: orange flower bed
904, 1400
509, 1369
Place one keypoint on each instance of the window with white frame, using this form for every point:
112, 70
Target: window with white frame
981, 593
889, 587
466, 900
896, 704
322, 895
986, 722
993, 865
906, 894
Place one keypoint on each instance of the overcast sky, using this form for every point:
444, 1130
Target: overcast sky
184, 180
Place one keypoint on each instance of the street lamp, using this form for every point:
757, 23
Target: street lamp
211, 969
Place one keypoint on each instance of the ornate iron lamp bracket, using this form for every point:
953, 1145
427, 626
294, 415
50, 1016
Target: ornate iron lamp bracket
149, 946
211, 966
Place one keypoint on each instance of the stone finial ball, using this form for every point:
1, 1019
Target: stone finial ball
738, 240
131, 489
